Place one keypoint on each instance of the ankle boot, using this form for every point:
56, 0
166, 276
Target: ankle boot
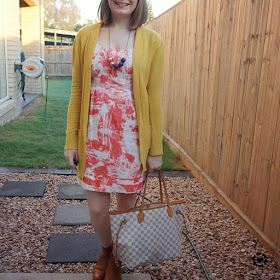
101, 265
113, 271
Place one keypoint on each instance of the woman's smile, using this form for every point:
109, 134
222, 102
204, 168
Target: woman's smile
122, 7
122, 4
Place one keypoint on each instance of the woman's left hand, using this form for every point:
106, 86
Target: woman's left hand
154, 163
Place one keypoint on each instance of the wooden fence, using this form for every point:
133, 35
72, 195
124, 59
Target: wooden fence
222, 103
58, 61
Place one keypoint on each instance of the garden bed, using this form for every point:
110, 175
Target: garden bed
226, 248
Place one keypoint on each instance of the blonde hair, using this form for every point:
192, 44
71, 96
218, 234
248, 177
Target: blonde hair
138, 17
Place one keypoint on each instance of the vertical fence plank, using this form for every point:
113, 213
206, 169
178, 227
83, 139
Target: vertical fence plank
176, 70
225, 45
170, 70
224, 176
204, 77
254, 60
272, 216
264, 71
192, 8
212, 86
181, 67
269, 121
190, 17
167, 78
240, 92
199, 76
183, 84
221, 100
196, 28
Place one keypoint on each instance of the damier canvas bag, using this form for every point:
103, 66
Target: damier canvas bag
150, 233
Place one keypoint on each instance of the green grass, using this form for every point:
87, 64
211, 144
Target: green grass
34, 141
171, 160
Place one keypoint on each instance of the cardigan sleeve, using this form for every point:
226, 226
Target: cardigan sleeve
154, 89
74, 108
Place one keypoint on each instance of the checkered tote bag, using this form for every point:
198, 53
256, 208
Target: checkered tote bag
150, 233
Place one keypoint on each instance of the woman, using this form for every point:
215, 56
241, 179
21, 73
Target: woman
114, 125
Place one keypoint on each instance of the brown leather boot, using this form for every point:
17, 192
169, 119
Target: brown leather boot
113, 271
101, 265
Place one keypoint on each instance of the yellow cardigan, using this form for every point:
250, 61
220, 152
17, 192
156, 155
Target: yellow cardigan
147, 87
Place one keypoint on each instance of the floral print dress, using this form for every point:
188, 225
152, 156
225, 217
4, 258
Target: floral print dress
112, 148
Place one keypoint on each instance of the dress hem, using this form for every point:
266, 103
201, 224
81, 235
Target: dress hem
91, 188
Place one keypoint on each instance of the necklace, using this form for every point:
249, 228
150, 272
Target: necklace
122, 61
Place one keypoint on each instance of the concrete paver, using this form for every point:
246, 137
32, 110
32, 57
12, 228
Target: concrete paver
73, 247
69, 215
29, 98
23, 188
71, 191
38, 170
136, 276
65, 276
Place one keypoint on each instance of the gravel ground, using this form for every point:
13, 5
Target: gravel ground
226, 248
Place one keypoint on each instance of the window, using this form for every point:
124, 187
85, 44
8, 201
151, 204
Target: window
3, 55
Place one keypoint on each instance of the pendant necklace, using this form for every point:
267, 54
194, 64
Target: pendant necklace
122, 61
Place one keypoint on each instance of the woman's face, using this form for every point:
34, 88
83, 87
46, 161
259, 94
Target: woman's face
123, 8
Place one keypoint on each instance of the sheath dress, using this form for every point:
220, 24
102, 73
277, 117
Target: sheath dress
112, 147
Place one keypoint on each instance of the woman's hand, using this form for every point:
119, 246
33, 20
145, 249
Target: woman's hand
154, 163
70, 155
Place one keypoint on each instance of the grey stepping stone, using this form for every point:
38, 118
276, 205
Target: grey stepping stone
23, 188
71, 191
38, 170
136, 276
181, 173
73, 248
45, 276
65, 276
69, 215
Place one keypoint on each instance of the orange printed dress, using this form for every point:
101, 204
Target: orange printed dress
112, 148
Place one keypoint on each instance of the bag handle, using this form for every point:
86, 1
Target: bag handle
160, 179
140, 215
144, 182
117, 242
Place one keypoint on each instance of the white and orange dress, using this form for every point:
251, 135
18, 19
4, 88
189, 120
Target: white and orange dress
112, 147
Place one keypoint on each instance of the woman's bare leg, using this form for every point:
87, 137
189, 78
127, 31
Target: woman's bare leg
99, 204
126, 201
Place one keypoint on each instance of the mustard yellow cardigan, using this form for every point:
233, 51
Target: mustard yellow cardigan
147, 87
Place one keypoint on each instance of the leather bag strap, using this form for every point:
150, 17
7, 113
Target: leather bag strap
140, 215
117, 241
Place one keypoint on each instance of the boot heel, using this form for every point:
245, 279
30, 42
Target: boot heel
102, 263
113, 270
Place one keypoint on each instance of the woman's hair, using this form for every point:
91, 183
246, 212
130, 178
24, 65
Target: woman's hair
138, 17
